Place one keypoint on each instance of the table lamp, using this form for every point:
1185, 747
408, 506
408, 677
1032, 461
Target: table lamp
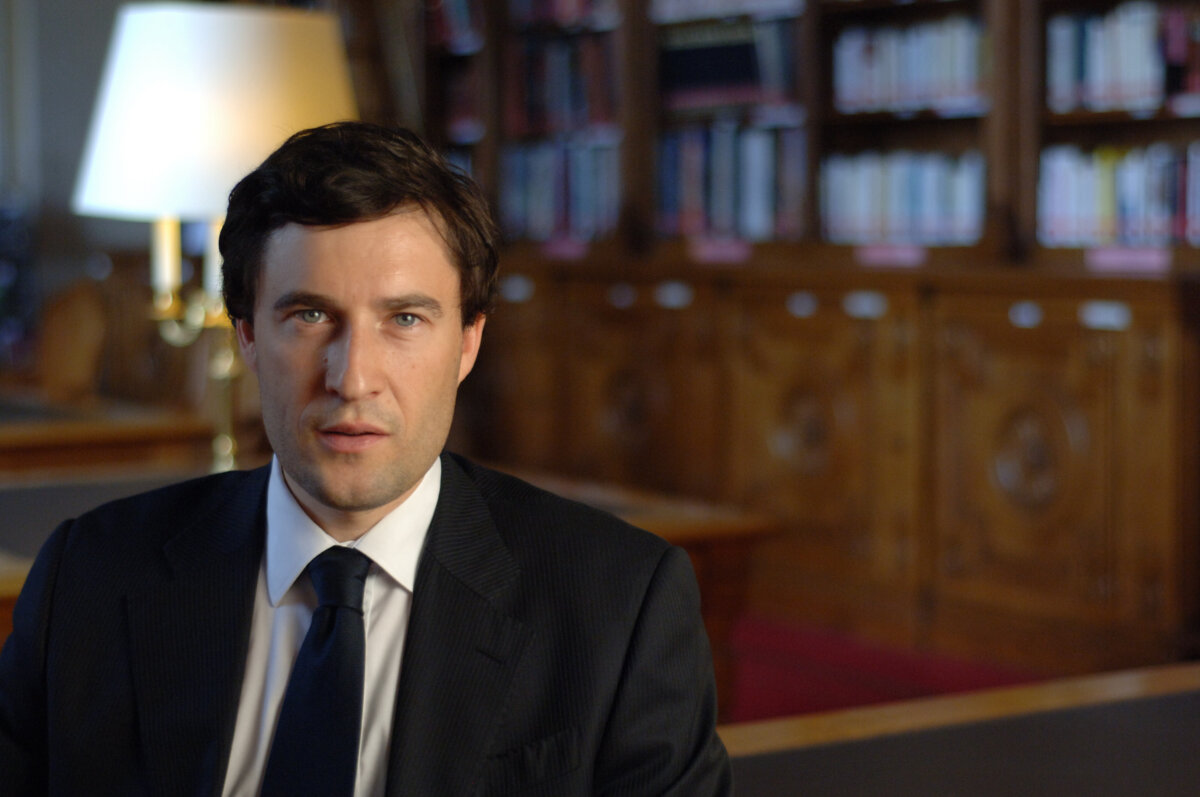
193, 96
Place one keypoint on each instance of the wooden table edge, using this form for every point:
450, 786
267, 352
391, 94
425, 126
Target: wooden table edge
787, 733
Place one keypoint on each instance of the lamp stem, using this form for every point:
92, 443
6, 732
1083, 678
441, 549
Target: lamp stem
212, 261
166, 257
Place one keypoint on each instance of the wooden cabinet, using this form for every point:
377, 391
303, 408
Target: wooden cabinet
997, 470
640, 388
979, 437
1061, 474
824, 433
1024, 422
508, 407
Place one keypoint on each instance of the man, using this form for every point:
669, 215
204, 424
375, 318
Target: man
509, 641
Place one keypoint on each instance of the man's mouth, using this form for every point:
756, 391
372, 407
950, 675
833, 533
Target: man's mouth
350, 437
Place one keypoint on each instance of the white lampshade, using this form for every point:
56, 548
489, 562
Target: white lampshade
195, 95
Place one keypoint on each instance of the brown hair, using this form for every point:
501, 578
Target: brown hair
349, 172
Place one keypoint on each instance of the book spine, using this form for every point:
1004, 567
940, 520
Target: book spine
756, 184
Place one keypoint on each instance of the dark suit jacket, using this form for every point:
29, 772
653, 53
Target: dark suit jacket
552, 650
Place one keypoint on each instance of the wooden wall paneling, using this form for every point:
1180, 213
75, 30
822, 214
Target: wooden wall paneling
1023, 428
1052, 415
1187, 477
640, 386
824, 434
1003, 230
637, 87
509, 406
1026, 126
1024, 492
1146, 503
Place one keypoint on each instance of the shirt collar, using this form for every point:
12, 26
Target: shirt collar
393, 544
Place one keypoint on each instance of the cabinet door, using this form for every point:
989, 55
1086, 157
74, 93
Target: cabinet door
824, 434
1155, 493
640, 384
1055, 463
508, 407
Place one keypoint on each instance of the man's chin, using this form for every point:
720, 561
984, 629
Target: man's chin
354, 498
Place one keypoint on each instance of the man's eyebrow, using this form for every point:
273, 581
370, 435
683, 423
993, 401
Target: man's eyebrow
300, 299
396, 304
414, 301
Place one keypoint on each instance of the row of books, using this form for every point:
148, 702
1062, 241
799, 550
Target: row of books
564, 188
726, 62
936, 65
455, 25
1140, 196
1131, 58
671, 11
578, 14
558, 84
462, 91
728, 180
903, 197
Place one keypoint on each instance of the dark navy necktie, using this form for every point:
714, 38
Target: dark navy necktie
315, 750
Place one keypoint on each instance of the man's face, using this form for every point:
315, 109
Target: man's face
359, 348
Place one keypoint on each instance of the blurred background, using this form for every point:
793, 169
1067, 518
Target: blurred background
885, 310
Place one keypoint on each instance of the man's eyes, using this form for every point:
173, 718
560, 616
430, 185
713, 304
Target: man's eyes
406, 319
310, 316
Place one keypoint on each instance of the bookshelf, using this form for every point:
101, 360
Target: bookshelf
1111, 156
594, 121
732, 150
955, 421
564, 114
906, 111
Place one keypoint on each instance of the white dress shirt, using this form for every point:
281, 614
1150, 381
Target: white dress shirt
283, 608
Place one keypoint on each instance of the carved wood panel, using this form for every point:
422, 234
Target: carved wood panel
824, 414
1025, 417
640, 386
1155, 431
509, 405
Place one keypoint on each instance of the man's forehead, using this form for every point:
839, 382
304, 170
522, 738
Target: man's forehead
293, 262
290, 230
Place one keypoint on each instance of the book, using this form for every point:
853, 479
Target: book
722, 199
693, 180
1062, 62
710, 64
456, 25
756, 192
674, 11
903, 197
933, 65
792, 183
1192, 195
668, 181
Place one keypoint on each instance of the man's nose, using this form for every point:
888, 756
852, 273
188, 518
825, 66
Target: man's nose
352, 364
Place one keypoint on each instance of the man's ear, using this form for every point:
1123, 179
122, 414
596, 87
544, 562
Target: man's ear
472, 339
245, 338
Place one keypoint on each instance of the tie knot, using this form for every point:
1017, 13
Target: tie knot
338, 575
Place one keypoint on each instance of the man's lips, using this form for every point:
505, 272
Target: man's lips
350, 437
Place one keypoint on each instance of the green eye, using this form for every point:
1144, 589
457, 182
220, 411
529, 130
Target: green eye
311, 316
406, 319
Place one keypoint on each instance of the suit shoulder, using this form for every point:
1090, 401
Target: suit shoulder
518, 504
169, 506
180, 494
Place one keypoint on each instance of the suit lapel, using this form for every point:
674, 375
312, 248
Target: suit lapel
461, 650
188, 640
